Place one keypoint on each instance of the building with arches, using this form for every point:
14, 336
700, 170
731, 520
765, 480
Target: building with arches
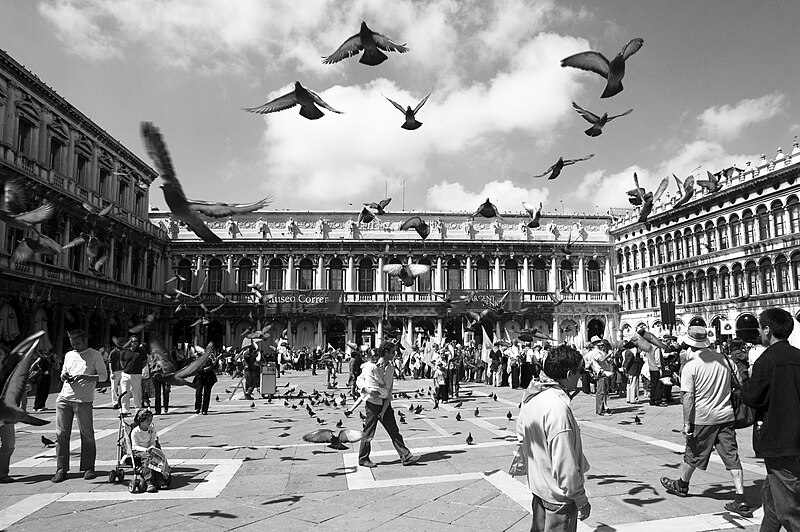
718, 256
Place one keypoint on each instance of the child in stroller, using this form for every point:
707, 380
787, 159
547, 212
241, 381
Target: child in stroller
147, 449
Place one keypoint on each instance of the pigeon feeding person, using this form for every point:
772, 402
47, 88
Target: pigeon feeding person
187, 211
370, 42
411, 122
613, 71
306, 99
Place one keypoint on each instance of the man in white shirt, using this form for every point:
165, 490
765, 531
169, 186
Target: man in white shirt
83, 367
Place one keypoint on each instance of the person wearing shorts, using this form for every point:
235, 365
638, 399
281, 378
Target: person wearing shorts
707, 418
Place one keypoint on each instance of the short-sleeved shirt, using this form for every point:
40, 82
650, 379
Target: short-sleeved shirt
88, 362
707, 376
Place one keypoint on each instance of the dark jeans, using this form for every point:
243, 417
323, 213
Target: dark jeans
656, 387
780, 494
162, 389
202, 396
389, 423
601, 394
548, 517
65, 412
42, 391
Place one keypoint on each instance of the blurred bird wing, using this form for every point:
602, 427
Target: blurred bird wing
17, 383
587, 115
385, 43
384, 202
220, 210
14, 197
421, 103
366, 215
159, 351
350, 435
573, 161
418, 269
529, 208
280, 103
319, 436
101, 262
397, 105
393, 269
319, 101
610, 118
591, 61
48, 243
632, 47
202, 287
660, 190
39, 214
195, 366
348, 48
546, 171
688, 184
681, 190
411, 223
157, 149
106, 210
638, 191
22, 253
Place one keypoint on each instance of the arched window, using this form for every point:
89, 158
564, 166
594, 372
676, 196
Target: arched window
660, 250
567, 275
620, 261
214, 276
793, 206
782, 274
670, 289
394, 284
366, 275
796, 271
662, 291
764, 230
275, 274
669, 249
482, 274
690, 288
644, 295
628, 298
749, 224
454, 277
700, 286
425, 281
305, 274
540, 276
736, 231
767, 276
643, 254
184, 282
699, 239
651, 254
336, 274
712, 284
244, 275
511, 275
680, 290
653, 294
751, 272
636, 300
724, 283
688, 243
621, 295
778, 218
628, 259
722, 233
737, 280
635, 253
711, 237
593, 276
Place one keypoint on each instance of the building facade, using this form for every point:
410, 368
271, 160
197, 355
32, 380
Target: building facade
61, 156
720, 255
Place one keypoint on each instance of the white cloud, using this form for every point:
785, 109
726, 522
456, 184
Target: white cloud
726, 122
507, 196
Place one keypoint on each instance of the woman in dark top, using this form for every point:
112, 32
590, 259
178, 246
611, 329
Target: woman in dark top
41, 369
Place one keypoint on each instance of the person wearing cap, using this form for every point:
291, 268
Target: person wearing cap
600, 359
707, 418
773, 390
83, 368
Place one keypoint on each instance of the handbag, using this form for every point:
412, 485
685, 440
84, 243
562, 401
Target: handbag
744, 415
519, 466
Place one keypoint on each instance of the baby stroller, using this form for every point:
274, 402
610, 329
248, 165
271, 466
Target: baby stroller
126, 459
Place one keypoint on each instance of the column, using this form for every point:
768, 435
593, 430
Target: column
320, 284
63, 259
498, 285
553, 274
69, 170
128, 259
8, 130
580, 282
320, 339
110, 263
379, 338
379, 275
260, 271
350, 336
409, 332
289, 284
201, 274
350, 274
230, 282
468, 274
526, 287
228, 337
607, 277
582, 341
440, 328
439, 286
45, 119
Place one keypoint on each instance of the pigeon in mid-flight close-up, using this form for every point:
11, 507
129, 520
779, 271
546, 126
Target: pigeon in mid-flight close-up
307, 100
371, 42
555, 169
411, 122
597, 121
613, 71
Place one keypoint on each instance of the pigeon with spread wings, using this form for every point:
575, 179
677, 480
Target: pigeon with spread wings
534, 212
685, 189
183, 209
335, 439
36, 243
169, 373
418, 224
308, 101
555, 169
12, 205
487, 209
647, 199
597, 121
411, 122
407, 273
21, 359
613, 71
371, 42
711, 184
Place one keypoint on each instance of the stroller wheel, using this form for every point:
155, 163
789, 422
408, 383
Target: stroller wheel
120, 475
112, 476
133, 486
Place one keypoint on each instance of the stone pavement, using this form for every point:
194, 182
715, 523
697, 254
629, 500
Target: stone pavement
244, 467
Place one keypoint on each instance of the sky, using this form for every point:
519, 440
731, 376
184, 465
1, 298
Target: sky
715, 84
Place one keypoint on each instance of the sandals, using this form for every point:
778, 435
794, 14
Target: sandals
741, 508
674, 487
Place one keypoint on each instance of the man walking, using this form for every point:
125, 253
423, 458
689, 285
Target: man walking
83, 368
707, 418
774, 391
133, 360
379, 408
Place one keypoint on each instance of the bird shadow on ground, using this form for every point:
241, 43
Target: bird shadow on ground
624, 409
212, 514
611, 479
199, 436
292, 459
338, 472
290, 499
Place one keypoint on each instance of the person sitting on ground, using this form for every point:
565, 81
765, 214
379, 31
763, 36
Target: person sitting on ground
143, 438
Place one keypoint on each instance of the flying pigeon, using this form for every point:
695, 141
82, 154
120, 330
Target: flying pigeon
407, 273
597, 121
26, 220
181, 208
458, 404
335, 439
685, 189
371, 42
534, 212
307, 99
16, 384
146, 324
648, 199
555, 169
411, 119
169, 374
36, 243
613, 70
418, 224
711, 184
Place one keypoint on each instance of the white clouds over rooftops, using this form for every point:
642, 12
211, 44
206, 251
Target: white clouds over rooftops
726, 122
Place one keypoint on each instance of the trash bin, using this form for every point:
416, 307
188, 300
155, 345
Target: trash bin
269, 384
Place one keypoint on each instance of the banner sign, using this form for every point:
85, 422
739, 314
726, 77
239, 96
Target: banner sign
477, 300
304, 301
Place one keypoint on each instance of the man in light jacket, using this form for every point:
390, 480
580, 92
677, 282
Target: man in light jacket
551, 445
